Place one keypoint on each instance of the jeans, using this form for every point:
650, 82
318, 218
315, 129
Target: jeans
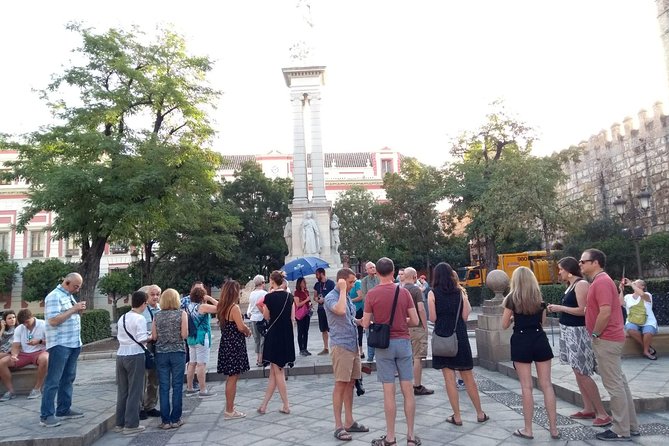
60, 375
303, 332
171, 367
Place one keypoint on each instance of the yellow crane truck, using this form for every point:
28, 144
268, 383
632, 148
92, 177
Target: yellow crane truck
538, 261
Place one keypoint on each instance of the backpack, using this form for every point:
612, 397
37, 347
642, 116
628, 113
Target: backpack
192, 326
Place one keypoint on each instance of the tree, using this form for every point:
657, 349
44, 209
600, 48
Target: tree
412, 225
8, 270
655, 248
127, 150
117, 284
261, 205
40, 278
359, 218
500, 186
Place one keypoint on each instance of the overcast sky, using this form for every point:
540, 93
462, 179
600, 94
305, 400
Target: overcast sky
408, 74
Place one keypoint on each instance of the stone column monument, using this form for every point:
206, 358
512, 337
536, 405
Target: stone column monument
311, 212
493, 342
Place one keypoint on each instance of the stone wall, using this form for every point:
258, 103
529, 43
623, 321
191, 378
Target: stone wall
623, 162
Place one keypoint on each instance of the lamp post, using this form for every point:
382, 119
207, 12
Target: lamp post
634, 231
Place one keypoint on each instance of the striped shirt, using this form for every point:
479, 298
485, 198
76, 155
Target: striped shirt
67, 334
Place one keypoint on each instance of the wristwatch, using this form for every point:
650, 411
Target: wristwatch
595, 335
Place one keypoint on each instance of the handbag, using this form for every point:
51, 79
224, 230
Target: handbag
149, 358
301, 312
637, 314
264, 328
447, 346
379, 334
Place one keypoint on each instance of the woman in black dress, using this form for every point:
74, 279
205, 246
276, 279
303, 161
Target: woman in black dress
444, 299
279, 351
232, 357
525, 308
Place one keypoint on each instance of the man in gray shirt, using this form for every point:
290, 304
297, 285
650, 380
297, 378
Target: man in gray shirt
367, 283
342, 323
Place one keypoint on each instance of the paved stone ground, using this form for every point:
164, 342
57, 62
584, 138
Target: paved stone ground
311, 419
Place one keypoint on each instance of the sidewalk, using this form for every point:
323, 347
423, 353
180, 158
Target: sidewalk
309, 387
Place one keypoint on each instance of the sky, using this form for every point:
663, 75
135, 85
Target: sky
406, 74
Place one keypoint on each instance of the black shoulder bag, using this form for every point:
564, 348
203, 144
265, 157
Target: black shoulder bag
149, 358
262, 329
379, 334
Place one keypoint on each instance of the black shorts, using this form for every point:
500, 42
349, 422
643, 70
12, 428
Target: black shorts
322, 320
530, 346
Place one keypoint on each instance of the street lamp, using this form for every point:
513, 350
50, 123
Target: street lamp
635, 232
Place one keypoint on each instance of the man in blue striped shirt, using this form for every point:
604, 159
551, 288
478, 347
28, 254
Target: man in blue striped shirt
63, 342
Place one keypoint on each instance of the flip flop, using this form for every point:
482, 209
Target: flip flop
285, 411
518, 433
341, 434
451, 420
651, 357
484, 419
652, 351
357, 427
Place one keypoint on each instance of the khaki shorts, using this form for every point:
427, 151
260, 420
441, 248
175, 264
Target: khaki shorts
418, 342
345, 364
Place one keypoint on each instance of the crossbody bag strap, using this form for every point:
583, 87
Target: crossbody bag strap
459, 315
392, 312
284, 307
131, 336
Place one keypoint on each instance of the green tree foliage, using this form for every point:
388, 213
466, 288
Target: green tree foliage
8, 270
40, 278
128, 149
412, 222
360, 229
117, 284
500, 186
607, 236
655, 249
261, 205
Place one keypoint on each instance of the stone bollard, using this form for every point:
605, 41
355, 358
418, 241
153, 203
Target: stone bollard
493, 342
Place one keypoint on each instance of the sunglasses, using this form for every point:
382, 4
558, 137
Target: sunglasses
581, 262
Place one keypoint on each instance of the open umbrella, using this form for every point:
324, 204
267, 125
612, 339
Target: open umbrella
303, 266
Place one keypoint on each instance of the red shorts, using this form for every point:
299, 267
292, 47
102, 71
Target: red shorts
27, 358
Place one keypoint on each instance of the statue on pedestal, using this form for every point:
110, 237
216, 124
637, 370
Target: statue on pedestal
334, 229
311, 236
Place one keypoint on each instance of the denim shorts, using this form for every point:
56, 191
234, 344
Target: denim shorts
396, 358
644, 329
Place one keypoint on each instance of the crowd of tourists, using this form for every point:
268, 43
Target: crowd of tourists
165, 336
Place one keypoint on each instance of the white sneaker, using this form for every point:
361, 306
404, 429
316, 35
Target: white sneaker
7, 396
35, 393
206, 394
133, 430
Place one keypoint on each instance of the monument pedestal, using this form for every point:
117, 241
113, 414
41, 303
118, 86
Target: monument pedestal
321, 214
492, 341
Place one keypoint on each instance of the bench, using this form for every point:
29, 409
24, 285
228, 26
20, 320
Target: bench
660, 343
23, 380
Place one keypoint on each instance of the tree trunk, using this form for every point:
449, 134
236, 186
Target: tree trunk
90, 268
148, 276
490, 253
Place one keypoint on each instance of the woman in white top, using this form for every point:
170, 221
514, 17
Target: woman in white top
641, 332
255, 315
130, 365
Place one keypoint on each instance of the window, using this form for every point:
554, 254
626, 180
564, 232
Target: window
71, 247
386, 166
4, 241
118, 248
37, 243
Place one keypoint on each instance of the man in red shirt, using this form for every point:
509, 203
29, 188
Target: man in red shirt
397, 358
604, 320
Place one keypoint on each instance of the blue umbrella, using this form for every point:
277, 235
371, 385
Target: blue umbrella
303, 266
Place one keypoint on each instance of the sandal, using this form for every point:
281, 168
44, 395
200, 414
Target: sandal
651, 357
164, 426
416, 441
519, 433
233, 415
261, 411
284, 411
357, 427
651, 350
484, 419
451, 420
383, 442
556, 436
580, 415
341, 434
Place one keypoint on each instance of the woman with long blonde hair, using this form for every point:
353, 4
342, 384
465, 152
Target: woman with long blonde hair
232, 357
525, 308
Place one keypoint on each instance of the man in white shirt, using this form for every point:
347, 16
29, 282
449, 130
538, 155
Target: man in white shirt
29, 347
